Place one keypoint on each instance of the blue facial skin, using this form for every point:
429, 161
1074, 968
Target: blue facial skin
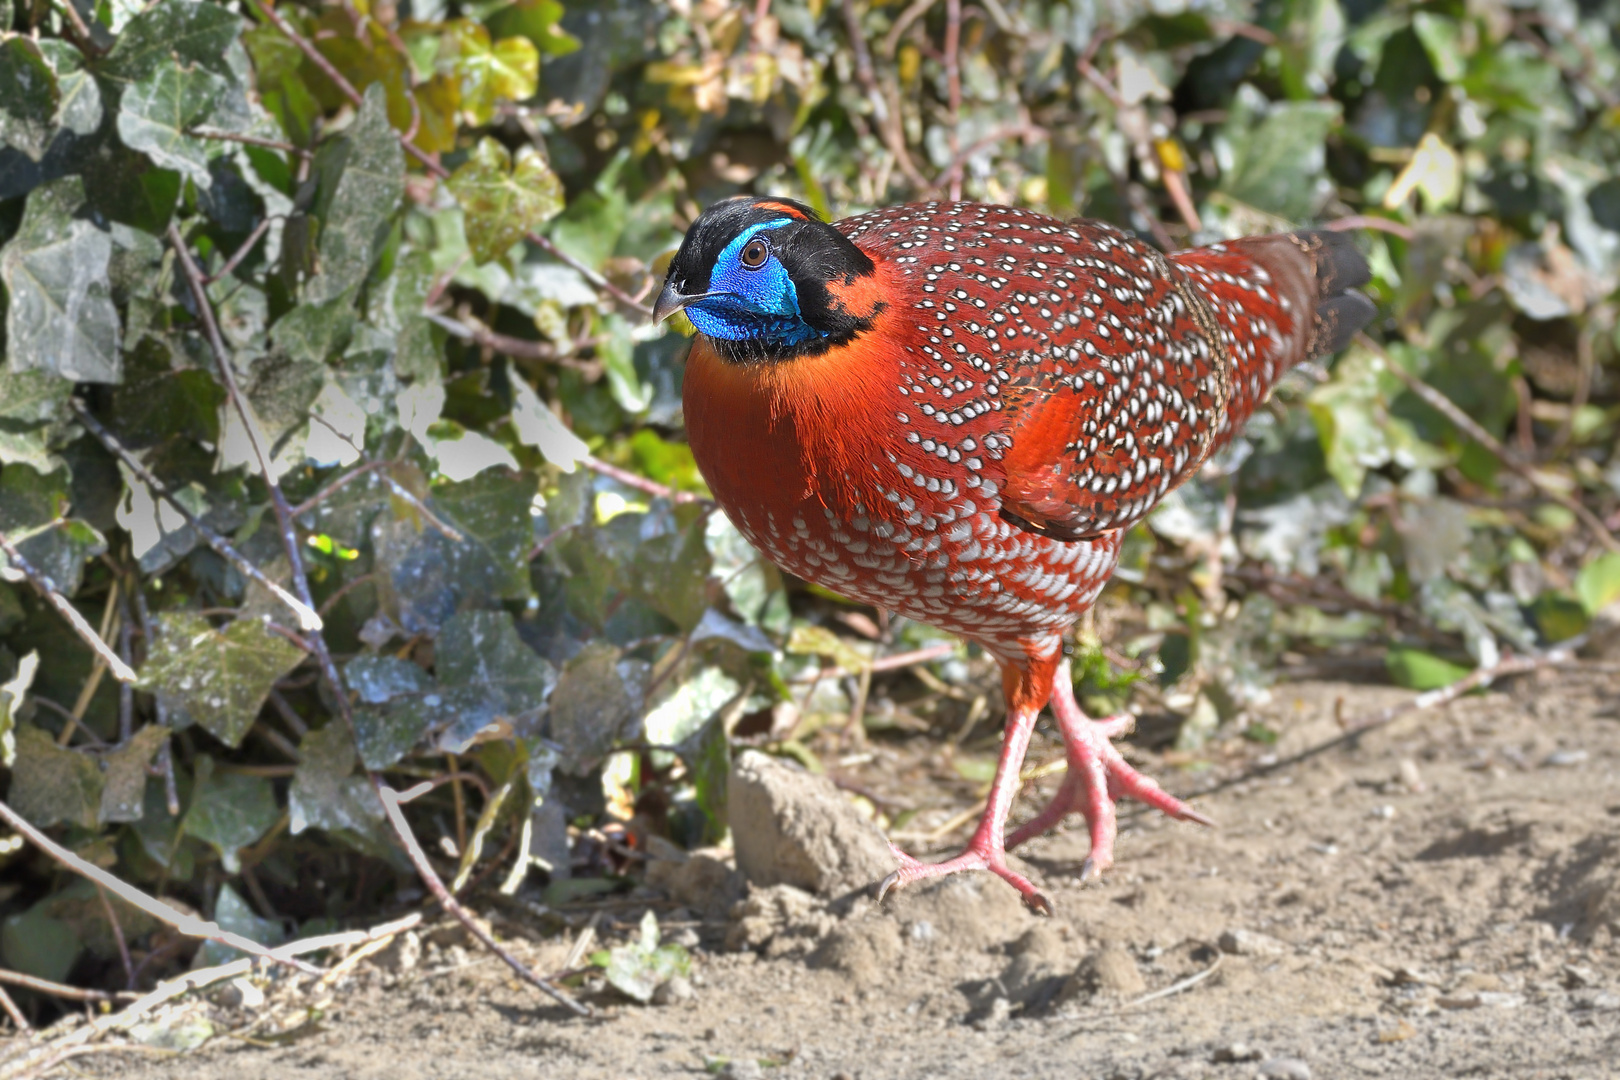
751, 303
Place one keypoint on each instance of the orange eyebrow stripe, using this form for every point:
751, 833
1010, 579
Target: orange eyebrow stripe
783, 208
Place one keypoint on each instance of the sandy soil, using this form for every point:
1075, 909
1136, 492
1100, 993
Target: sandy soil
1434, 900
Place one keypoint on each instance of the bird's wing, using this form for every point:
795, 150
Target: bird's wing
1169, 358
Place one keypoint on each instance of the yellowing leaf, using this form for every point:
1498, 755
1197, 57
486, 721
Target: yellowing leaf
508, 70
501, 202
1435, 170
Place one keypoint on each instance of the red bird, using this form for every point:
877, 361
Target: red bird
954, 411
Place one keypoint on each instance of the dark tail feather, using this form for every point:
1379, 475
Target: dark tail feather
1340, 271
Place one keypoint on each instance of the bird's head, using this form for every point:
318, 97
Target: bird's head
766, 280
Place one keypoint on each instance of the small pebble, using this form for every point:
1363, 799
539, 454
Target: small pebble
1239, 1052
1564, 759
673, 991
1410, 777
1576, 976
1251, 943
240, 994
742, 1069
995, 1014
1284, 1069
921, 931
1384, 812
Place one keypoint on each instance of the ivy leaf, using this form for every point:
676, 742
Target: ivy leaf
397, 707
52, 785
1418, 670
36, 944
32, 509
361, 178
156, 113
503, 203
492, 512
1598, 583
32, 397
597, 700
232, 913
229, 811
508, 70
124, 769
640, 966
1279, 156
28, 97
61, 317
216, 678
78, 108
537, 20
325, 793
480, 652
191, 31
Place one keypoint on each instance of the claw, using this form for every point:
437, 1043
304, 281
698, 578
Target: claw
1038, 904
886, 884
1089, 871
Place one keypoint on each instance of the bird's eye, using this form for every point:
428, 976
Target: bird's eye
755, 254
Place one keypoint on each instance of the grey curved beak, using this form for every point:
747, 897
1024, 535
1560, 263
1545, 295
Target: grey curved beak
672, 300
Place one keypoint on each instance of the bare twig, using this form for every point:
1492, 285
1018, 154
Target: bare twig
331, 489
118, 936
1176, 987
307, 618
242, 252
884, 111
391, 801
250, 140
1369, 221
11, 1010
190, 925
1472, 428
53, 596
641, 483
916, 10
60, 990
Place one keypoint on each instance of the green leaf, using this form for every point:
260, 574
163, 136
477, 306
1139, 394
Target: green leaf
597, 699
639, 967
29, 96
1278, 157
79, 106
1418, 670
1598, 583
503, 203
397, 707
1559, 616
537, 20
508, 70
492, 512
229, 811
216, 678
38, 945
32, 397
156, 113
61, 318
325, 793
51, 785
313, 333
11, 699
361, 178
480, 652
124, 769
192, 31
32, 509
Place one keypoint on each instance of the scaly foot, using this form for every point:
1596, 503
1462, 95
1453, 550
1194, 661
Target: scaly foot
978, 855
1098, 776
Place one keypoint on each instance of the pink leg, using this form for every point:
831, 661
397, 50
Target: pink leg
1098, 776
985, 851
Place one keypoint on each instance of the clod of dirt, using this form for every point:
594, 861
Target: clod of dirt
1238, 1051
863, 949
1109, 972
704, 881
1284, 1069
792, 828
673, 991
781, 920
741, 1069
969, 911
1039, 959
1251, 943
403, 954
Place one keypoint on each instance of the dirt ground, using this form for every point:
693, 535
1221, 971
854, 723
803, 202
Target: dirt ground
1436, 899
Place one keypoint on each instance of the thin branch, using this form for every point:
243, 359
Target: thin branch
242, 252
60, 990
1369, 221
307, 618
391, 801
1177, 987
190, 925
11, 1009
884, 111
331, 489
118, 935
53, 595
250, 140
917, 10
641, 483
1472, 428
